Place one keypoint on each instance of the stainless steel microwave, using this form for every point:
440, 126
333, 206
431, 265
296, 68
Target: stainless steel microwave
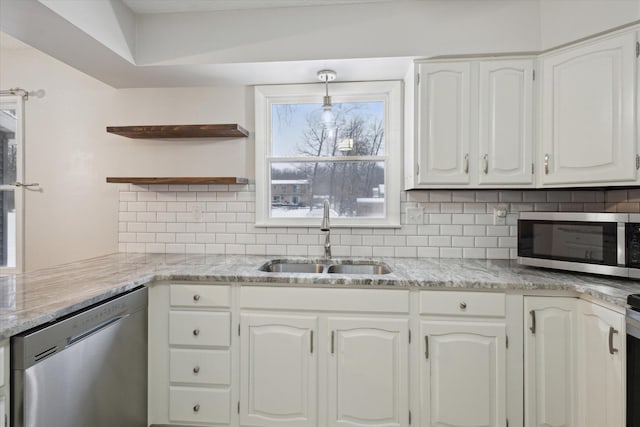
600, 243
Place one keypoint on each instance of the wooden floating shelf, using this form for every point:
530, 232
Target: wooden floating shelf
179, 180
181, 131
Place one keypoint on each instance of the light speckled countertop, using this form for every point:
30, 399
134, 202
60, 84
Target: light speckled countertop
39, 297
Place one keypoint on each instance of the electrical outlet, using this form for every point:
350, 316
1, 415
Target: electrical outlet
500, 215
415, 216
196, 213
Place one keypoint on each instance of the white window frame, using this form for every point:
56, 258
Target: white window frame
17, 102
388, 91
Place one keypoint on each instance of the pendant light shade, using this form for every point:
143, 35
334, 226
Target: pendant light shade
327, 115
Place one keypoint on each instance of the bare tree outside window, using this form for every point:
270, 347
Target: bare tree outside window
342, 161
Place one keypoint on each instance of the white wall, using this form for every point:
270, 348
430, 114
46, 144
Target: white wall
69, 153
564, 21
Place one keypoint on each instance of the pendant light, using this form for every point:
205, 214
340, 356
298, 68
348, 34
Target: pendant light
328, 117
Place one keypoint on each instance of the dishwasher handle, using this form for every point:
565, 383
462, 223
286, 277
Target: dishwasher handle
79, 337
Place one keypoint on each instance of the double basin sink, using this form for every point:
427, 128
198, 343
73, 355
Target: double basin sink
328, 267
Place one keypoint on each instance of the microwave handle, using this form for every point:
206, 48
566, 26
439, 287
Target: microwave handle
622, 244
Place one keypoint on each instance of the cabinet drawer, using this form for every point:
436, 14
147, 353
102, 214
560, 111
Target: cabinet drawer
200, 296
199, 328
452, 303
200, 366
199, 405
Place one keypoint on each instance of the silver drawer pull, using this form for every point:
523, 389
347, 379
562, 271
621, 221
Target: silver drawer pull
463, 306
196, 332
196, 407
196, 369
196, 298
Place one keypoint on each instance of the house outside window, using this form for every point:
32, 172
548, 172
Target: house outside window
303, 159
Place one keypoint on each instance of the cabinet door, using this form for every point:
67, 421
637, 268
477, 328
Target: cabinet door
463, 374
443, 113
505, 132
368, 372
549, 361
278, 370
601, 367
588, 113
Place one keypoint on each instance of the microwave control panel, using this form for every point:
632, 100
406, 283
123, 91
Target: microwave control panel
633, 244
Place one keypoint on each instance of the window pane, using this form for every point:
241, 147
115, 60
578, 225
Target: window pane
353, 129
354, 189
8, 124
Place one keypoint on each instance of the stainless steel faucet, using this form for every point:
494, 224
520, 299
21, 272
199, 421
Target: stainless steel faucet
324, 226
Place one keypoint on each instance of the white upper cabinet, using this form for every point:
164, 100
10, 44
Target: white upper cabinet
443, 113
474, 124
588, 112
505, 125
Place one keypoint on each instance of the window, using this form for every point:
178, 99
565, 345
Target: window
11, 108
352, 160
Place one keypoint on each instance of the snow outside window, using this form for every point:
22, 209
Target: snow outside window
351, 159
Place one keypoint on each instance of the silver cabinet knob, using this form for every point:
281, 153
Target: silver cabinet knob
196, 407
463, 306
196, 369
196, 332
196, 298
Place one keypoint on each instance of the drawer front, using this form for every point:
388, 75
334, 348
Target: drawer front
323, 299
199, 328
200, 296
199, 405
452, 303
200, 366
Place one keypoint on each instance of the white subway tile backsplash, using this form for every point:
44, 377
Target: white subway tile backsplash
440, 241
406, 252
474, 253
463, 241
362, 251
383, 251
474, 230
427, 252
486, 242
136, 227
450, 253
176, 227
218, 219
149, 196
185, 237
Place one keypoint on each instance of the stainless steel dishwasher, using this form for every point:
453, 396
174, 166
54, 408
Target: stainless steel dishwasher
88, 369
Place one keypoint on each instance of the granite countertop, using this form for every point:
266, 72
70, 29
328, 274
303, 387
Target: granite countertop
32, 299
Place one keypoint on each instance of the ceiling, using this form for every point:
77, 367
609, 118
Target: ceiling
178, 43
173, 6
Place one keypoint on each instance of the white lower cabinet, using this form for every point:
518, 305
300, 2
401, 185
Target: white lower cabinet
319, 357
324, 357
190, 356
278, 370
550, 361
463, 359
601, 366
368, 372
